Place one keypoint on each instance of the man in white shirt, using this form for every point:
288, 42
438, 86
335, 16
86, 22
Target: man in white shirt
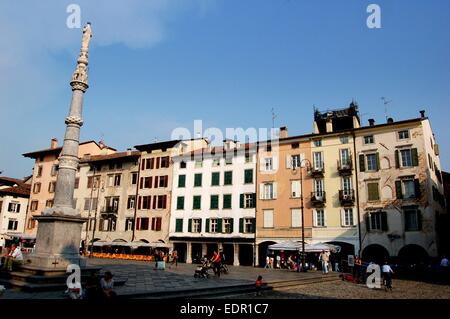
387, 275
14, 257
444, 262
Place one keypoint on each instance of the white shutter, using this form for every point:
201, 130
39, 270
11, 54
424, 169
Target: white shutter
262, 164
268, 218
354, 217
314, 217
302, 157
275, 163
325, 223
296, 217
261, 191
274, 190
288, 161
342, 217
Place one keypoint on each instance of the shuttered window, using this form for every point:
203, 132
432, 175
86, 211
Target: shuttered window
373, 191
268, 218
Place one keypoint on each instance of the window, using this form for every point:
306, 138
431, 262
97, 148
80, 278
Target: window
196, 225
317, 143
403, 135
13, 207
295, 161
215, 179
165, 162
372, 162
268, 218
162, 199
318, 187
179, 225
248, 225
182, 181
49, 203
295, 189
39, 171
114, 180
93, 181
144, 202
198, 164
296, 217
51, 187
12, 224
31, 223
87, 204
131, 203
248, 176
163, 181
198, 180
228, 225
318, 160
213, 225
54, 170
406, 158
248, 200
377, 221
407, 188
345, 157
77, 183
214, 202
148, 163
146, 182
197, 202
183, 164
373, 191
129, 224
180, 202
347, 184
344, 139
216, 162
412, 219
268, 191
430, 161
227, 201
228, 178
368, 139
268, 164
34, 205
134, 178
347, 217
36, 188
319, 218
228, 160
142, 223
156, 223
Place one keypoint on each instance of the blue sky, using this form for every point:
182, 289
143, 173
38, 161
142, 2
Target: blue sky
157, 65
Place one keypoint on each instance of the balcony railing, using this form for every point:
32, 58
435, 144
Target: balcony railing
347, 196
345, 166
318, 198
317, 171
109, 210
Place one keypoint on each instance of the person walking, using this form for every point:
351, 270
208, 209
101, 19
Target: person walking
387, 276
267, 262
174, 259
216, 263
324, 258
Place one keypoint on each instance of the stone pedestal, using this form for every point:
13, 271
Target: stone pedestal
57, 242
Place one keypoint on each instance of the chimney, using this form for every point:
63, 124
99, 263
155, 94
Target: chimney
329, 123
128, 151
371, 122
390, 120
422, 113
283, 132
54, 143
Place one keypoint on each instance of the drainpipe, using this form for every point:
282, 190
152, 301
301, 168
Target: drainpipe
136, 197
357, 193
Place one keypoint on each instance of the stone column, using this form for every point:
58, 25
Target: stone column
256, 254
59, 230
236, 255
204, 249
188, 253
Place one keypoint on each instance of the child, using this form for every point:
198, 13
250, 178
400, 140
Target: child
258, 285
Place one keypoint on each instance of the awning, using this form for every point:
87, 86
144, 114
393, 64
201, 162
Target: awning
20, 235
132, 245
292, 245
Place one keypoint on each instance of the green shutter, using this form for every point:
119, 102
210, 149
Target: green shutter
190, 225
219, 225
397, 159
231, 225
368, 222
241, 201
214, 202
180, 202
253, 225
415, 157
227, 201
248, 176
207, 225
228, 178
241, 225
215, 179
377, 156
373, 191
419, 219
254, 200
417, 187
198, 180
197, 202
398, 189
362, 166
182, 181
384, 223
179, 225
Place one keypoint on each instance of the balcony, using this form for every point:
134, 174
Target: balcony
347, 197
318, 198
317, 171
345, 167
109, 210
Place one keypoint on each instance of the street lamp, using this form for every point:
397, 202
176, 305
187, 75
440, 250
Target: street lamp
95, 217
294, 169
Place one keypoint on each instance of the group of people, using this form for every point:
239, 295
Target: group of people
95, 288
12, 257
159, 259
280, 261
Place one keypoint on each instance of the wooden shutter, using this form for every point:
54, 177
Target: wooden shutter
143, 164
141, 183
155, 200
156, 181
397, 159
179, 225
207, 226
417, 187
158, 161
158, 223
342, 217
190, 225
398, 189
415, 157
150, 181
17, 208
261, 191
219, 225
377, 156
275, 163
362, 166
231, 225
139, 202
241, 225
419, 220
368, 222
253, 225
241, 201
384, 222
314, 217
253, 200
274, 190
200, 224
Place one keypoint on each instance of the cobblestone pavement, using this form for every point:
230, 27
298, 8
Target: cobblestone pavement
403, 289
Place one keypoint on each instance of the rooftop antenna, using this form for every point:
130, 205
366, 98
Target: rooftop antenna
386, 102
274, 116
155, 139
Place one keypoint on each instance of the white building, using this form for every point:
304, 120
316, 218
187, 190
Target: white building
213, 203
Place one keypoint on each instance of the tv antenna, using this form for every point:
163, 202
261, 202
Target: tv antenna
274, 116
385, 102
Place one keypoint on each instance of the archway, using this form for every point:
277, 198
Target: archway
246, 254
263, 251
181, 249
119, 240
375, 253
346, 249
412, 255
228, 250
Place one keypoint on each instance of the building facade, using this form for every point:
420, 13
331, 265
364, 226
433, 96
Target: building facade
213, 203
